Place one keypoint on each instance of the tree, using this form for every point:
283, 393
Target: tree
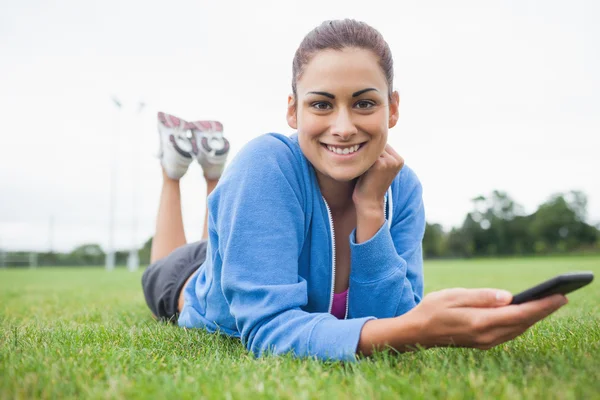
145, 252
434, 241
577, 202
87, 254
497, 217
558, 226
497, 225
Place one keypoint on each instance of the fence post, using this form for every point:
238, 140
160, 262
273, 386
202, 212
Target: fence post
33, 260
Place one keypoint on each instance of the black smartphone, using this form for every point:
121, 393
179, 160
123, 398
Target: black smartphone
561, 284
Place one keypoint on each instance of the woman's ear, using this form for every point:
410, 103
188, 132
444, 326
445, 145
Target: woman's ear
292, 120
394, 112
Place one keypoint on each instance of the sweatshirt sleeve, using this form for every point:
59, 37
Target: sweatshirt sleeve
260, 223
386, 279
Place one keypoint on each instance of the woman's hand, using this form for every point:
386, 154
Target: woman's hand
371, 187
477, 318
369, 193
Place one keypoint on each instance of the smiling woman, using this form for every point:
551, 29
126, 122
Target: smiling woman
342, 102
313, 241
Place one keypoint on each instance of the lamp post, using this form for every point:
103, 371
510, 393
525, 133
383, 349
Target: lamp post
133, 260
2, 256
110, 250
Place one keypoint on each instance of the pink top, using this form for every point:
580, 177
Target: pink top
338, 308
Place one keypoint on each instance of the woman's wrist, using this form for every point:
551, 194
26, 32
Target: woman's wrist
400, 333
367, 206
368, 222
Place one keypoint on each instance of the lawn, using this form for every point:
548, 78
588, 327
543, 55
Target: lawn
86, 333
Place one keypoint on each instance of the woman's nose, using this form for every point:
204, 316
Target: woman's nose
343, 126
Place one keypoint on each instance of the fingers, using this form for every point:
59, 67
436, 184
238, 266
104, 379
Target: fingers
390, 158
516, 316
499, 336
477, 297
532, 311
481, 318
499, 325
389, 149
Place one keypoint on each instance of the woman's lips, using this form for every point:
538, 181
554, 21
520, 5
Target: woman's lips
342, 155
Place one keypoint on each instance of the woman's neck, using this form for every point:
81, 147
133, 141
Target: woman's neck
337, 194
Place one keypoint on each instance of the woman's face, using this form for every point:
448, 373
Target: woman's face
342, 112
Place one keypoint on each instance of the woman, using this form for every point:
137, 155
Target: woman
312, 243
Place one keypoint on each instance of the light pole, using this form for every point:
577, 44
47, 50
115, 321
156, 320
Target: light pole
133, 261
51, 234
110, 250
2, 256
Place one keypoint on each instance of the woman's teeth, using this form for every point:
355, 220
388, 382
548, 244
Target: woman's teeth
347, 150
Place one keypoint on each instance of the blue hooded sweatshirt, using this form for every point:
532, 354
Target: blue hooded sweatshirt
270, 269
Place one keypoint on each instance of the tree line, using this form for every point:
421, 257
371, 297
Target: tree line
86, 255
497, 226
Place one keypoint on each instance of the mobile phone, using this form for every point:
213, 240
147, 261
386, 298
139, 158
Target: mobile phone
561, 284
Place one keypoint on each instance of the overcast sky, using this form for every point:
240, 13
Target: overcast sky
494, 95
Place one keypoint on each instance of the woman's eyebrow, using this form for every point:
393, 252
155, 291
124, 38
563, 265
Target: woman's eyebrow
363, 91
323, 94
355, 94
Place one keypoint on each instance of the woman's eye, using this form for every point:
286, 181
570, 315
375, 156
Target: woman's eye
321, 105
364, 104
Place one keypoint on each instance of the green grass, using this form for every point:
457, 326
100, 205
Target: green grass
86, 333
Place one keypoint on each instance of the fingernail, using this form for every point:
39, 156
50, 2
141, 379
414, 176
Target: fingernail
564, 300
502, 296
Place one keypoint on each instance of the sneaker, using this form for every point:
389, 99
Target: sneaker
213, 148
177, 145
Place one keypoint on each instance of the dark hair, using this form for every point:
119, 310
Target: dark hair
340, 34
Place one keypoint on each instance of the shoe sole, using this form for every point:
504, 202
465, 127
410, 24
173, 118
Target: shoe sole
173, 122
180, 150
205, 126
209, 126
170, 121
208, 149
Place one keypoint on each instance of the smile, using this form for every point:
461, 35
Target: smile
343, 150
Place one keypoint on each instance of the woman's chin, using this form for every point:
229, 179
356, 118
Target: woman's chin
344, 174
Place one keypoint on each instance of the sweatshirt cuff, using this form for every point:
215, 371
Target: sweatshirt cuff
374, 259
334, 339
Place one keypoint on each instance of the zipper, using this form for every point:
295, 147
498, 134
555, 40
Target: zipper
385, 210
389, 207
347, 298
332, 257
